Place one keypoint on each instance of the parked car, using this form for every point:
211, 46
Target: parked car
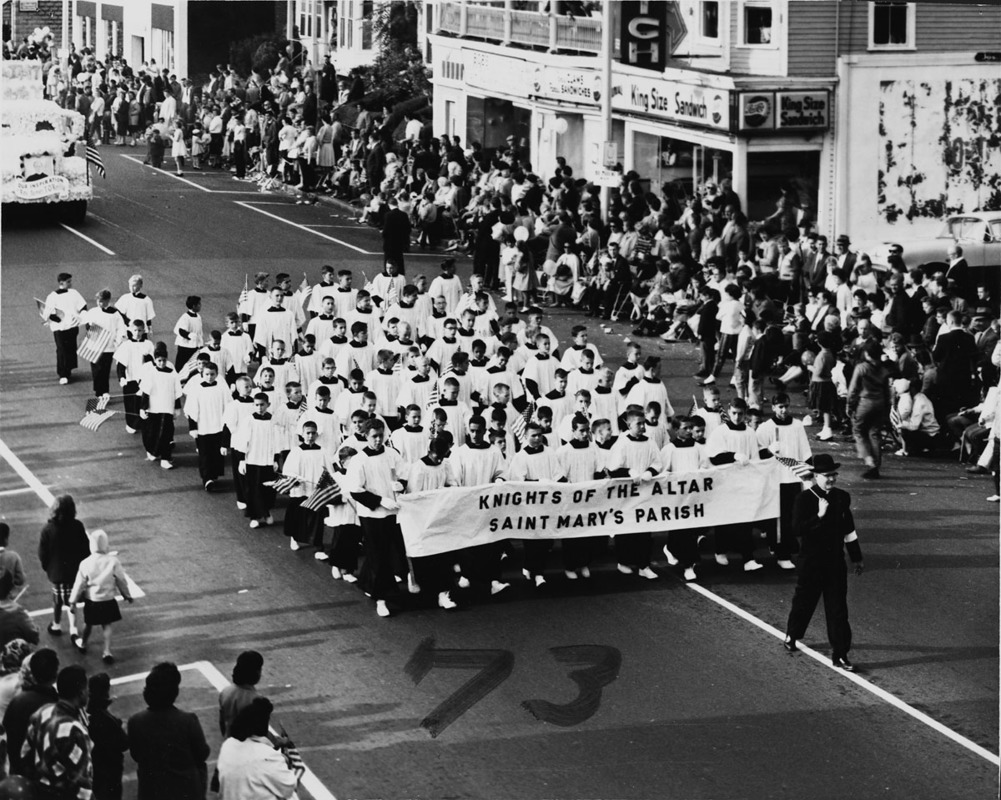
977, 232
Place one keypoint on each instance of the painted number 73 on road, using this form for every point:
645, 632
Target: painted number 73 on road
592, 667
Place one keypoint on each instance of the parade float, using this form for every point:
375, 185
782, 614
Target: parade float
42, 147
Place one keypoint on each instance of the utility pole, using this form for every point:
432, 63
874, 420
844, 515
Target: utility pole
606, 96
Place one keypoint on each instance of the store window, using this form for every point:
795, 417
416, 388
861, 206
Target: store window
792, 175
891, 26
491, 121
709, 19
756, 25
675, 170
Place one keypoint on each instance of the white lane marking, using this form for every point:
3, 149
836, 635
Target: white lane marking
251, 206
182, 179
26, 475
98, 245
22, 490
219, 682
882, 694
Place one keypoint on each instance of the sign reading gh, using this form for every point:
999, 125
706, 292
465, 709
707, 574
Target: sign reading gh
650, 33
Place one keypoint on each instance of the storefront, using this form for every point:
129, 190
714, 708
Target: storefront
679, 135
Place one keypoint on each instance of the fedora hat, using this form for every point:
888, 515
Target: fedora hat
824, 463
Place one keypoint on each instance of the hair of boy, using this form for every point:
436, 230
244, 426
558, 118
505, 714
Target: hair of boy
451, 382
192, 301
363, 293
733, 290
498, 415
266, 369
338, 321
578, 420
533, 426
232, 316
356, 375
322, 391
440, 415
385, 357
652, 362
282, 276
585, 393
374, 424
359, 327
262, 396
359, 415
541, 337
210, 366
598, 423
497, 435
634, 413
710, 390
309, 424
413, 407
329, 362
503, 351
370, 396
738, 404
215, 336
780, 399
476, 419
655, 407
343, 273
577, 329
104, 294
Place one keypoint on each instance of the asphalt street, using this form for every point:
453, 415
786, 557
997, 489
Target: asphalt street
625, 688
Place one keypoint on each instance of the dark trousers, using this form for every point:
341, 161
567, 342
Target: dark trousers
260, 498
65, 351
345, 546
100, 371
434, 574
827, 577
239, 481
211, 464
727, 348
240, 158
707, 356
130, 393
158, 435
867, 428
382, 542
735, 538
482, 564
183, 355
578, 553
779, 532
303, 525
684, 546
633, 549
536, 555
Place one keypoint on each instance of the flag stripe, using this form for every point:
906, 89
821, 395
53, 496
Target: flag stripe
94, 157
94, 345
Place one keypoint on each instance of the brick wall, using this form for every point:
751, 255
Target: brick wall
49, 13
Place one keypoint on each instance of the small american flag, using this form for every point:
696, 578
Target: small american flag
434, 397
40, 305
93, 346
326, 492
188, 370
800, 469
520, 422
94, 157
292, 755
96, 413
245, 294
393, 295
283, 484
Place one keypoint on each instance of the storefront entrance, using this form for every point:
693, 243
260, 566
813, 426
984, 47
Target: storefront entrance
793, 173
674, 169
490, 121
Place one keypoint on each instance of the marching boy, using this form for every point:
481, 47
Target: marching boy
239, 347
205, 408
305, 463
188, 332
236, 412
132, 356
258, 439
160, 390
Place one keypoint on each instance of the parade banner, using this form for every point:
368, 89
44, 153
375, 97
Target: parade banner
450, 519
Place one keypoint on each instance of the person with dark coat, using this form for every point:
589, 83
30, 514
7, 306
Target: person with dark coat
486, 249
955, 357
107, 757
61, 547
822, 519
38, 688
395, 234
375, 163
167, 744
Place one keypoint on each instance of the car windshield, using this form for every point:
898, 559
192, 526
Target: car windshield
968, 228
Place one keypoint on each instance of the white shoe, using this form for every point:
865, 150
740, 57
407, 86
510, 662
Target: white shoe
269, 520
648, 573
785, 563
539, 581
463, 582
347, 577
752, 565
241, 506
496, 587
825, 435
165, 464
129, 430
571, 575
624, 569
671, 560
319, 555
445, 601
336, 574
412, 585
255, 523
807, 421
709, 381
63, 381
901, 452
722, 560
150, 457
585, 572
690, 573
381, 608
294, 545
994, 498
526, 574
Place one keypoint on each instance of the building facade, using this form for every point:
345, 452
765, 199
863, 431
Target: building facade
798, 96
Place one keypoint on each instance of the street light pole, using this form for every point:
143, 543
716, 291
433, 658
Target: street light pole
606, 96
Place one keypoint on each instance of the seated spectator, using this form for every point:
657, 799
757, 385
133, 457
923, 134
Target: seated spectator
919, 429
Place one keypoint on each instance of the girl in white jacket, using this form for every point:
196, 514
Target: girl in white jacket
98, 580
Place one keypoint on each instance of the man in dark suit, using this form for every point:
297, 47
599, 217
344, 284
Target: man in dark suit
395, 234
375, 163
955, 357
959, 271
846, 258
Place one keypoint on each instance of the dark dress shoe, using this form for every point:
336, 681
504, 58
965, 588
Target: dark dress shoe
976, 469
843, 663
790, 644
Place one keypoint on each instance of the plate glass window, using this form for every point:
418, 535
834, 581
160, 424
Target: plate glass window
757, 24
710, 19
891, 25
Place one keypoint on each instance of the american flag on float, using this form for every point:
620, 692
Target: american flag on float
800, 469
326, 492
283, 484
94, 345
96, 413
94, 157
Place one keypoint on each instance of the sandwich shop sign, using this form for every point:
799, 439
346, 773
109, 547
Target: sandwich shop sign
671, 100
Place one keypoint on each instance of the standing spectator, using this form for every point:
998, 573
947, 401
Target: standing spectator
10, 563
14, 621
63, 308
97, 580
167, 744
869, 406
242, 691
395, 234
56, 752
249, 766
955, 355
61, 548
107, 756
38, 679
178, 149
13, 663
